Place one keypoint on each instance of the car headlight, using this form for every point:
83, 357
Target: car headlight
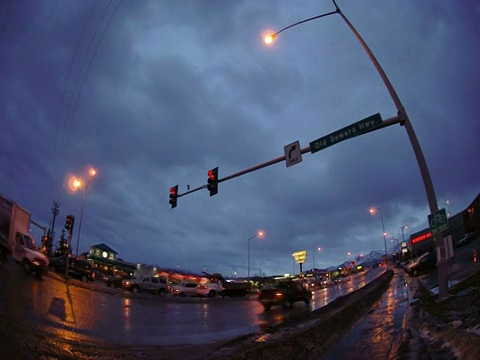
37, 262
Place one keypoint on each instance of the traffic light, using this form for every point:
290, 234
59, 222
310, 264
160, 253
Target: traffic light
213, 181
173, 196
69, 223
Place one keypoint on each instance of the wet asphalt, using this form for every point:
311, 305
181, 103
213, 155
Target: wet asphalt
380, 333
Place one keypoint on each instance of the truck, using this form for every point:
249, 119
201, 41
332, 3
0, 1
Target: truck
16, 240
228, 287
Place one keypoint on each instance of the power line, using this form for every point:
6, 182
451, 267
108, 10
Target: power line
56, 153
70, 115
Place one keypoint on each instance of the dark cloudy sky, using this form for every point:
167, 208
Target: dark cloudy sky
155, 93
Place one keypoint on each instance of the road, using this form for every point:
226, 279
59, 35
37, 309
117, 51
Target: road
112, 316
97, 314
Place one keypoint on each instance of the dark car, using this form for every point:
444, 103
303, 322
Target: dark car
115, 281
468, 237
283, 293
421, 264
78, 269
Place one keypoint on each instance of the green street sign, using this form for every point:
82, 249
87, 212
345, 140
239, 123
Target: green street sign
438, 222
361, 127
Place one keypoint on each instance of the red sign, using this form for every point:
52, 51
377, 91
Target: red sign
422, 237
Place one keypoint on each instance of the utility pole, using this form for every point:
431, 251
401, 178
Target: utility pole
55, 212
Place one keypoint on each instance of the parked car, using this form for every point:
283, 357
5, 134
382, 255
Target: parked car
115, 281
466, 239
283, 293
185, 288
421, 264
154, 285
78, 269
210, 289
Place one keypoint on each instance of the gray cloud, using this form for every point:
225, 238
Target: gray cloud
177, 88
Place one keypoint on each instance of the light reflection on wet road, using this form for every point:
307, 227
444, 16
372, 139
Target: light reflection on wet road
379, 334
82, 314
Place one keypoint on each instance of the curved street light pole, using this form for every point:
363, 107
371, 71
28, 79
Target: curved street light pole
405, 226
372, 212
91, 174
317, 249
405, 121
259, 234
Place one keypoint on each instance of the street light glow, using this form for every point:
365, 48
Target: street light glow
77, 183
92, 172
269, 39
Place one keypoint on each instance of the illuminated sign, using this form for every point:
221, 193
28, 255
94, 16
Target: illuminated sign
422, 237
300, 256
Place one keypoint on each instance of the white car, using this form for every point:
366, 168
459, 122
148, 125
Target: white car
186, 288
210, 289
153, 285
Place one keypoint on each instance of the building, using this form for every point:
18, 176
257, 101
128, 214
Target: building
464, 222
104, 258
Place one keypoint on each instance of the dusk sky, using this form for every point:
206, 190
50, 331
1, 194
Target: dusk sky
156, 93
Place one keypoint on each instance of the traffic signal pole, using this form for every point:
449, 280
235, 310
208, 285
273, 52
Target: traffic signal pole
387, 122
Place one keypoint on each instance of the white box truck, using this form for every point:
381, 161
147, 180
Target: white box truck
16, 240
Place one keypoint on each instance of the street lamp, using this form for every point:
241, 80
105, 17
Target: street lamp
347, 255
317, 249
401, 118
260, 234
405, 226
373, 211
91, 173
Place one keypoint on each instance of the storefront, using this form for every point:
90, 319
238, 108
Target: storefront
104, 259
422, 242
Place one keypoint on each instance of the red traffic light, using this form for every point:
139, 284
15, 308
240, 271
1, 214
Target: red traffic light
173, 196
212, 181
69, 221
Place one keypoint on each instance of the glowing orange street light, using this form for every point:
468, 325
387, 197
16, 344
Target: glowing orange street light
77, 184
270, 38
